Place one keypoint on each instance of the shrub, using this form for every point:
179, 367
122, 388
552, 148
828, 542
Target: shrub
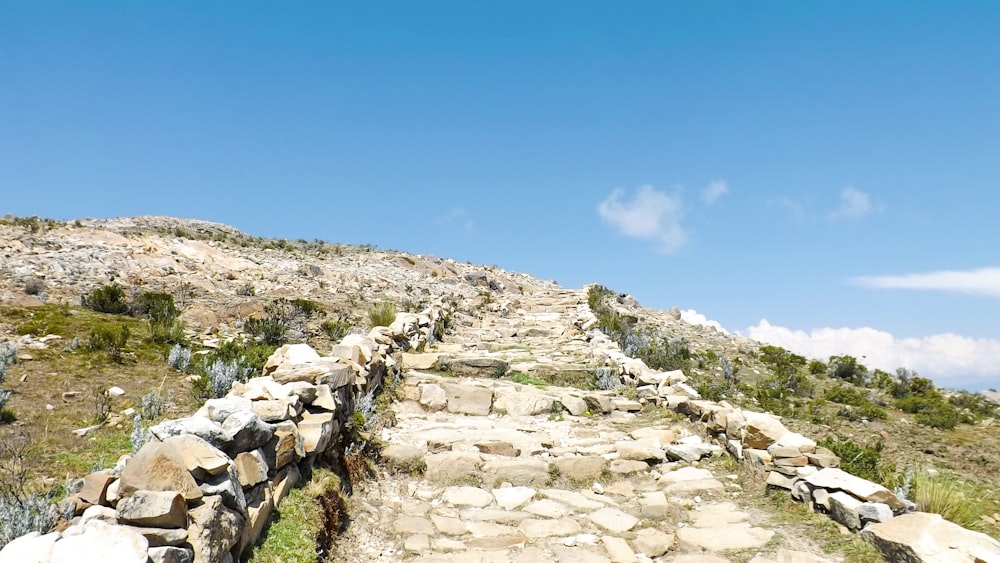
817, 367
179, 357
154, 304
21, 512
336, 329
862, 460
8, 352
382, 313
221, 376
269, 330
106, 299
110, 339
606, 379
847, 368
846, 395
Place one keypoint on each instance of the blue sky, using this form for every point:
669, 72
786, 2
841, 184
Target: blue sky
817, 165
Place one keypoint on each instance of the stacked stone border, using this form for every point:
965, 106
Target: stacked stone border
203, 488
794, 463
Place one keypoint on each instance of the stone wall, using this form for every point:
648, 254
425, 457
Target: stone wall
203, 487
795, 463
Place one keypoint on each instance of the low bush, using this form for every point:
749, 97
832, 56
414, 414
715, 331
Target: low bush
863, 460
110, 339
336, 329
268, 330
106, 299
382, 313
21, 512
8, 352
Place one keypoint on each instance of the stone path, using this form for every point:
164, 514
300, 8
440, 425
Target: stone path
482, 469
544, 488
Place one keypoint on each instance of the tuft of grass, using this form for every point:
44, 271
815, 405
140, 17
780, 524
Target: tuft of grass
382, 313
961, 501
525, 379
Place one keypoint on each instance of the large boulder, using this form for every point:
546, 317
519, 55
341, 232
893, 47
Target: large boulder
157, 466
921, 537
762, 430
100, 542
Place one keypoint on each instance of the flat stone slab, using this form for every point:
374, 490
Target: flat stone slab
925, 538
733, 536
537, 528
613, 520
467, 496
510, 498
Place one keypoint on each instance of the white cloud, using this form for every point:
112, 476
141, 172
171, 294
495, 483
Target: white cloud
984, 281
951, 360
458, 217
854, 204
714, 191
695, 318
650, 215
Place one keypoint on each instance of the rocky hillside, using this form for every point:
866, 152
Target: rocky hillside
537, 426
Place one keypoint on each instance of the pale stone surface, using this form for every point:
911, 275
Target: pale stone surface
433, 397
613, 520
580, 468
537, 528
547, 508
618, 550
158, 467
654, 505
414, 525
467, 399
467, 496
652, 542
170, 554
159, 509
100, 542
30, 548
832, 478
214, 530
925, 538
734, 536
762, 430
510, 498
522, 472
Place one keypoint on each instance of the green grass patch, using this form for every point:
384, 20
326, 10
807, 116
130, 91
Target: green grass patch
523, 378
962, 501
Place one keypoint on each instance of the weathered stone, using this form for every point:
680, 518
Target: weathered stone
510, 498
419, 361
571, 498
113, 543
286, 446
227, 486
467, 496
547, 508
613, 520
290, 355
498, 542
732, 536
476, 367
251, 467
448, 525
206, 429
103, 513
245, 432
845, 508
687, 452
158, 537
453, 467
874, 512
468, 399
762, 430
576, 406
260, 506
417, 543
158, 467
95, 487
628, 466
158, 509
276, 410
324, 399
498, 448
652, 542
30, 548
433, 397
518, 402
599, 404
537, 528
640, 451
521, 472
652, 434
317, 430
406, 459
217, 410
921, 537
414, 525
287, 477
580, 468
654, 505
200, 457
780, 480
618, 550
170, 554
835, 479
823, 460
214, 530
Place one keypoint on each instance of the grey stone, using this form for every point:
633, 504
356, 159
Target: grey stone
245, 431
170, 554
522, 472
158, 509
